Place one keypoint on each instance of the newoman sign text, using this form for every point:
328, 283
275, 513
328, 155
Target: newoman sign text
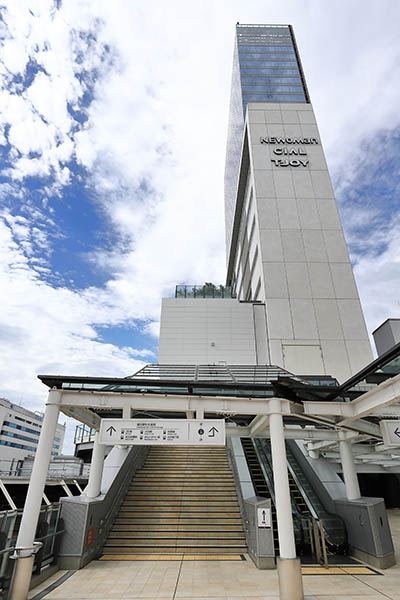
291, 153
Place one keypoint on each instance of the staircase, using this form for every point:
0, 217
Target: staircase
182, 501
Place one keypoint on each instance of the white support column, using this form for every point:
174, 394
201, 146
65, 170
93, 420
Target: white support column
126, 411
349, 469
287, 544
25, 542
96, 469
289, 568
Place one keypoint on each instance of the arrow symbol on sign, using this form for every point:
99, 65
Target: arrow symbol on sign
397, 432
111, 429
263, 515
212, 432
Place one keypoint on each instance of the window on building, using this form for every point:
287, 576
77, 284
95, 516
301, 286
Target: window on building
21, 427
18, 435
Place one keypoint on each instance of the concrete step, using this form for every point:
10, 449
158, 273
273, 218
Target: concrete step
167, 496
175, 550
189, 521
195, 477
162, 527
121, 543
182, 500
167, 513
185, 487
176, 535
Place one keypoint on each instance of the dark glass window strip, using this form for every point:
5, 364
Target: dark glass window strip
272, 88
266, 56
21, 427
26, 420
262, 71
262, 48
264, 40
18, 436
266, 63
21, 446
251, 80
274, 98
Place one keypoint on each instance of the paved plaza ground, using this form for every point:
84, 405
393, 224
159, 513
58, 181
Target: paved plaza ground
216, 580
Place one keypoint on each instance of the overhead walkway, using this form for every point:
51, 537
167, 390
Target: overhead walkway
182, 501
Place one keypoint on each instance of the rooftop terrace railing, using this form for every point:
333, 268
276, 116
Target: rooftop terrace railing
207, 290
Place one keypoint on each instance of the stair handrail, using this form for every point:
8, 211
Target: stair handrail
139, 453
235, 473
319, 517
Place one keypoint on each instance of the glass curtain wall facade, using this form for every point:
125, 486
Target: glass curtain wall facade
266, 68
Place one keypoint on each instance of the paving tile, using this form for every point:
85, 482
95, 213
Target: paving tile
219, 580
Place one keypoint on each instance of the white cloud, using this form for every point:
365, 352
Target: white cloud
378, 279
51, 330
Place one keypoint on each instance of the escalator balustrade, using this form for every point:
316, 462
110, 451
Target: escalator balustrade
260, 485
300, 525
333, 525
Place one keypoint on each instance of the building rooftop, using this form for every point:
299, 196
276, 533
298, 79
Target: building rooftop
205, 290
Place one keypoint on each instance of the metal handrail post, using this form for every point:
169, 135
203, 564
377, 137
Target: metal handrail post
321, 529
316, 540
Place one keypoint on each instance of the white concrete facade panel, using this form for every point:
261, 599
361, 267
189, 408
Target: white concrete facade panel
306, 276
208, 331
268, 214
321, 280
279, 320
275, 280
304, 319
298, 280
308, 213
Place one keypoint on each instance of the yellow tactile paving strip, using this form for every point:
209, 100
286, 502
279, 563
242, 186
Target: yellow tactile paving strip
339, 571
172, 557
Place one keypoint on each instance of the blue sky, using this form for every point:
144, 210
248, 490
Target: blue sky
112, 144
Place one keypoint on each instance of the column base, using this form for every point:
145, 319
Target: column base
290, 579
21, 577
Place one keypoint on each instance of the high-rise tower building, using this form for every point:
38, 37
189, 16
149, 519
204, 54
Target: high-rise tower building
266, 68
297, 304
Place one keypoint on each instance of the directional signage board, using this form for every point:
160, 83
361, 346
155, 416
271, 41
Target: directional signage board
264, 517
390, 432
165, 432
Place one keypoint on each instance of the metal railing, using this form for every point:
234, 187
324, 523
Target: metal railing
23, 469
84, 434
316, 538
48, 534
207, 290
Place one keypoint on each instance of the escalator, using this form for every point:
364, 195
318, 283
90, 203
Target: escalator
307, 509
260, 484
260, 467
333, 525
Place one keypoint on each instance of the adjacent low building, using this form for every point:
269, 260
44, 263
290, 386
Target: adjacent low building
19, 434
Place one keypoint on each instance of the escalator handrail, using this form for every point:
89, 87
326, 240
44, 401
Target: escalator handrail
296, 514
302, 491
321, 515
295, 509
